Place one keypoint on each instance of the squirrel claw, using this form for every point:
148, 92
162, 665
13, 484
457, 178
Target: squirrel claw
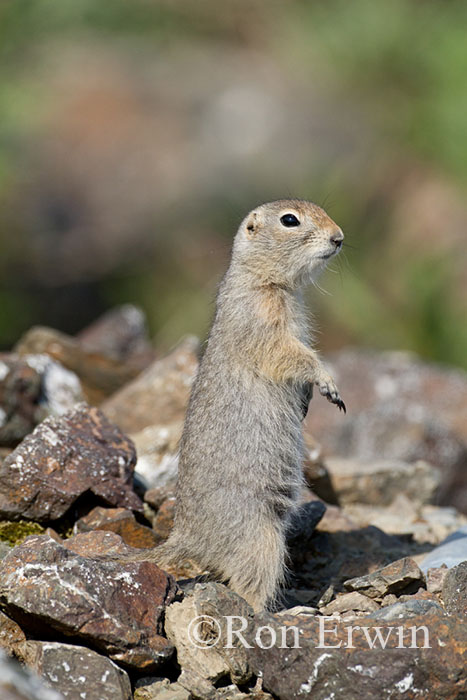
329, 390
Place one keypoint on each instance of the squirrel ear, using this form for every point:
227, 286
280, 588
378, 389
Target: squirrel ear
252, 224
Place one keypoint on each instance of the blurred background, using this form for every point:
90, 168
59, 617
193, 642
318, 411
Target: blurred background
134, 137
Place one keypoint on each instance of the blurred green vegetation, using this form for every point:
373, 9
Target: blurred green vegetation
399, 67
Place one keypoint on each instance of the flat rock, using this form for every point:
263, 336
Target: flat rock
350, 601
159, 395
122, 522
379, 482
323, 665
197, 627
75, 671
455, 590
399, 408
115, 606
63, 458
100, 375
160, 689
394, 578
425, 523
406, 609
31, 388
19, 683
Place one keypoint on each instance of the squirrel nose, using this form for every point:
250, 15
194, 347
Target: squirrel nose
337, 238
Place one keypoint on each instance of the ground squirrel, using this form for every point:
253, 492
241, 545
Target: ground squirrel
241, 452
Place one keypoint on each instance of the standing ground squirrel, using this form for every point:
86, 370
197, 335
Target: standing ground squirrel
241, 452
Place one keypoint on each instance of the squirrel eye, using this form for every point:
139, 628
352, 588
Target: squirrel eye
289, 220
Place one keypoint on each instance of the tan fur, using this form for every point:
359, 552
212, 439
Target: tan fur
241, 451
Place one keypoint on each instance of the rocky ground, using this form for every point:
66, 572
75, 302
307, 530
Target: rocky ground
377, 595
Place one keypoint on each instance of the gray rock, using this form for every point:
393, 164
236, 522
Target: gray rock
76, 672
435, 579
63, 458
199, 630
455, 590
31, 388
430, 664
394, 578
406, 609
350, 601
401, 409
156, 446
380, 481
199, 687
19, 683
425, 523
451, 552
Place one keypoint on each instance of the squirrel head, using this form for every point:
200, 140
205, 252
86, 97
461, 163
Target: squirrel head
287, 242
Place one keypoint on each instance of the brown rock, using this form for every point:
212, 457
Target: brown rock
100, 375
379, 482
122, 522
159, 395
203, 647
98, 543
11, 633
455, 591
322, 664
120, 333
156, 496
164, 519
160, 689
75, 671
394, 578
116, 606
64, 457
399, 408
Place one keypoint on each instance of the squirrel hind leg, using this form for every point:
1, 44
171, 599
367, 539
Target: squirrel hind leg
257, 568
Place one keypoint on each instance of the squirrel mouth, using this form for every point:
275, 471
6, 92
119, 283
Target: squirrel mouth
326, 256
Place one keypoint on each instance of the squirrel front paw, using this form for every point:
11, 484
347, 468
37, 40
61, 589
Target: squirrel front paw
327, 387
